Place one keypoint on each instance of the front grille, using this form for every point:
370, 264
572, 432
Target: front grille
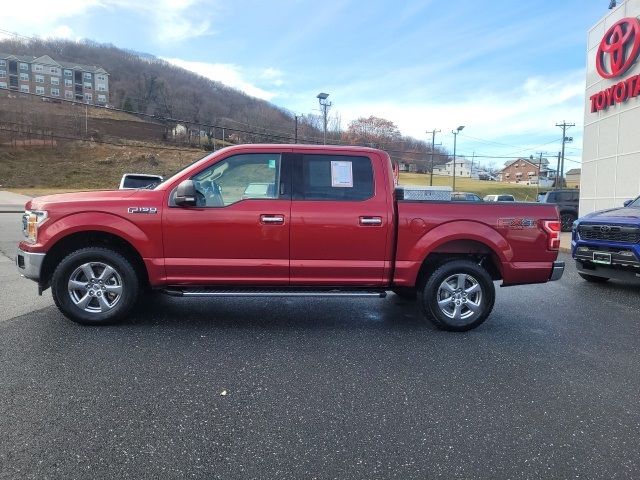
611, 233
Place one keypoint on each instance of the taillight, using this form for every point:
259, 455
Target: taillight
553, 228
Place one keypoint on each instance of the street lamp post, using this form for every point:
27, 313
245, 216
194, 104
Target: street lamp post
455, 136
324, 106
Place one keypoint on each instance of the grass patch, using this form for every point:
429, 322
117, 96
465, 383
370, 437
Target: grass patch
524, 193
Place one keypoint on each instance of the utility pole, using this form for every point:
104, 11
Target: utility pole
296, 128
455, 136
473, 157
324, 105
557, 173
433, 144
539, 168
86, 121
564, 125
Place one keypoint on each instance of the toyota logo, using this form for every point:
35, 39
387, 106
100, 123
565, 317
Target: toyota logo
619, 48
605, 229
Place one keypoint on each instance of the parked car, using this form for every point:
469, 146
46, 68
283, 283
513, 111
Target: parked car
334, 227
568, 201
499, 198
465, 197
606, 244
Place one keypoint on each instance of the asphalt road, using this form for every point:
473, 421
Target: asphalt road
548, 387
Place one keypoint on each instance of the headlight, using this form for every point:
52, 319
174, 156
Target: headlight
31, 220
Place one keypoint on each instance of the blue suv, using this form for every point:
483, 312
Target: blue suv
606, 244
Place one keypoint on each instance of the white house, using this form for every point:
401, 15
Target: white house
463, 168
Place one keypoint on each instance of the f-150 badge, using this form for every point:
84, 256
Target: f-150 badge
149, 210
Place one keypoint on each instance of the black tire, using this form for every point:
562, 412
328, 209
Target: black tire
112, 295
593, 278
566, 221
406, 293
464, 310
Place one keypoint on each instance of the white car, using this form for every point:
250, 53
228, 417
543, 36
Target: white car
499, 198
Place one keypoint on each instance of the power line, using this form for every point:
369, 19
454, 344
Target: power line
264, 133
13, 34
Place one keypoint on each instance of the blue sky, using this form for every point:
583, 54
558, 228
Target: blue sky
507, 70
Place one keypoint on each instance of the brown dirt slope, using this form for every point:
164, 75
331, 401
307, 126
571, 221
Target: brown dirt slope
86, 165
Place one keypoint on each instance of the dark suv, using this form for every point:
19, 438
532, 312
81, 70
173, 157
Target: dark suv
567, 201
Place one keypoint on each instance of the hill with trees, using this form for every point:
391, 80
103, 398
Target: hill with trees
144, 84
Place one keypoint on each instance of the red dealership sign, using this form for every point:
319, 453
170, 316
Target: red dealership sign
617, 52
619, 48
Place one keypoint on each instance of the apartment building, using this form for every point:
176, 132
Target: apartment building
55, 79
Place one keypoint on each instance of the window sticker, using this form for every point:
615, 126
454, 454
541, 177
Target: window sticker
341, 174
272, 164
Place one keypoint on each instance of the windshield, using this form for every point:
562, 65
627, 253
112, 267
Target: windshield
635, 203
172, 177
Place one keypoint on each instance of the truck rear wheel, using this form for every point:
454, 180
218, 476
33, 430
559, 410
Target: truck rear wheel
95, 286
566, 221
458, 296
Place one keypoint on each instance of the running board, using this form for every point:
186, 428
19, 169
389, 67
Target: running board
266, 292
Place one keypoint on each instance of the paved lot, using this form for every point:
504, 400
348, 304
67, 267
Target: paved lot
17, 295
12, 202
547, 388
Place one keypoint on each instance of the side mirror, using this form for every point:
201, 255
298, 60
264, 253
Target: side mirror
186, 194
627, 203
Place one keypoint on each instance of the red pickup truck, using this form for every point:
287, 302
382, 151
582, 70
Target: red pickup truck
284, 220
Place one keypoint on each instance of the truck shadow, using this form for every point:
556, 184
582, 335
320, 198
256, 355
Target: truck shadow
249, 313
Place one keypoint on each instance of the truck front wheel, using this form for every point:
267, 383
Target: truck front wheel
95, 286
458, 296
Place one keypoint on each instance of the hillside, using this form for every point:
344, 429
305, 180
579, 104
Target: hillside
86, 165
153, 86
142, 83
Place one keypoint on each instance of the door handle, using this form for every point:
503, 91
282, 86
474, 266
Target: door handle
371, 221
272, 219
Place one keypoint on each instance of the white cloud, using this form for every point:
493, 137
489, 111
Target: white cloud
229, 74
177, 20
273, 76
62, 31
529, 111
171, 20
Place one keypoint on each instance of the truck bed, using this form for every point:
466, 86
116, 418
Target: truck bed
511, 234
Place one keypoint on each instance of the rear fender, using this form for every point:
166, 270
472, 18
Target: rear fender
408, 267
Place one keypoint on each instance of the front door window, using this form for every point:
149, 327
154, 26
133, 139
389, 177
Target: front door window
241, 177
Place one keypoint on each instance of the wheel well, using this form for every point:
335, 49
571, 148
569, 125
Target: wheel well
461, 249
569, 211
80, 240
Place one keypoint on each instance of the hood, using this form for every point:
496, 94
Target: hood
76, 198
626, 215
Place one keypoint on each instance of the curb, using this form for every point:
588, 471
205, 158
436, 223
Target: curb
565, 249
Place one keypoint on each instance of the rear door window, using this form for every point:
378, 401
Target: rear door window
334, 177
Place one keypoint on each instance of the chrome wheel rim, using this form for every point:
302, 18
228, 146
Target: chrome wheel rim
460, 298
95, 287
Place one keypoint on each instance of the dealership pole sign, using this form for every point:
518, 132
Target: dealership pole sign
617, 52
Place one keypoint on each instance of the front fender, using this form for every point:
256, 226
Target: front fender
141, 240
